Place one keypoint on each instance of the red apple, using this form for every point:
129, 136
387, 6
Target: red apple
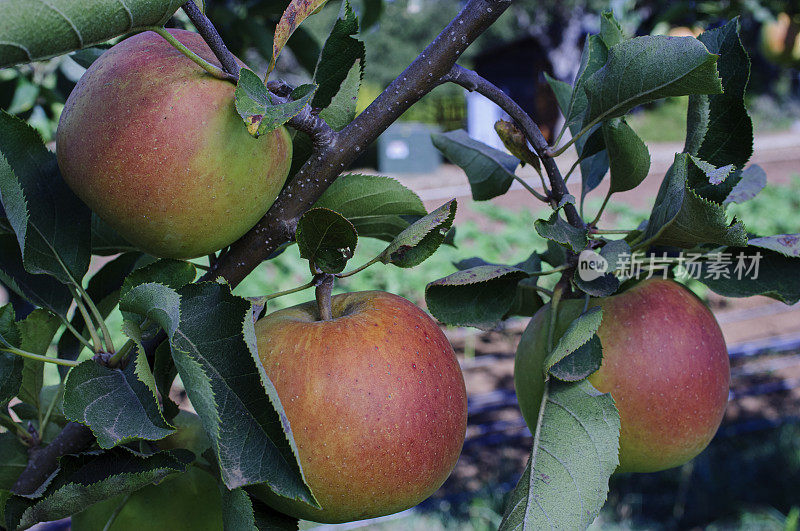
664, 363
153, 144
375, 399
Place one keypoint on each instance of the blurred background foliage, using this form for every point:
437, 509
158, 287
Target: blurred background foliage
395, 31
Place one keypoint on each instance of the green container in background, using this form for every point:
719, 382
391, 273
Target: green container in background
406, 147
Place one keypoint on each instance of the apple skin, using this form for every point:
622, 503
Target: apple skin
153, 144
664, 362
375, 399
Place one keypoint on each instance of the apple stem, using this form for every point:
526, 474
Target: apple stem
323, 292
214, 70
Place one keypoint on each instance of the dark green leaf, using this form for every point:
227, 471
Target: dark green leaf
681, 218
340, 52
10, 364
268, 519
648, 68
562, 91
710, 182
629, 159
602, 282
558, 230
13, 460
342, 108
579, 331
719, 129
490, 171
578, 365
594, 56
213, 346
527, 299
87, 56
171, 273
326, 238
41, 290
106, 241
755, 271
373, 204
52, 225
421, 239
36, 335
91, 477
371, 12
237, 510
114, 403
32, 32
478, 297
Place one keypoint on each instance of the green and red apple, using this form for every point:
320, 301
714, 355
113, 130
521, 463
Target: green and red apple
664, 362
375, 399
153, 144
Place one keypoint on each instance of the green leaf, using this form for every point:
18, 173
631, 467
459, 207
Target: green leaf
106, 241
577, 334
681, 218
91, 477
370, 13
339, 54
373, 204
719, 129
785, 244
558, 230
254, 104
342, 108
51, 223
171, 273
648, 68
214, 348
755, 271
479, 296
608, 283
752, 181
10, 364
13, 460
629, 159
237, 510
527, 299
594, 56
710, 182
565, 482
578, 365
490, 171
421, 239
114, 403
39, 30
268, 519
326, 239
562, 91
41, 290
610, 30
36, 335
87, 56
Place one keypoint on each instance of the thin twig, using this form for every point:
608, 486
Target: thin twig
471, 81
210, 34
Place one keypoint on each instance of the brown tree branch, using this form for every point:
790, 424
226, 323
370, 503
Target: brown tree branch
210, 34
421, 76
473, 82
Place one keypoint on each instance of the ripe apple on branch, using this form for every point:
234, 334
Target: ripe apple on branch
353, 405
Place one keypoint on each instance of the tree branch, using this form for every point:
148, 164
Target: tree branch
421, 76
473, 82
210, 34
43, 461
